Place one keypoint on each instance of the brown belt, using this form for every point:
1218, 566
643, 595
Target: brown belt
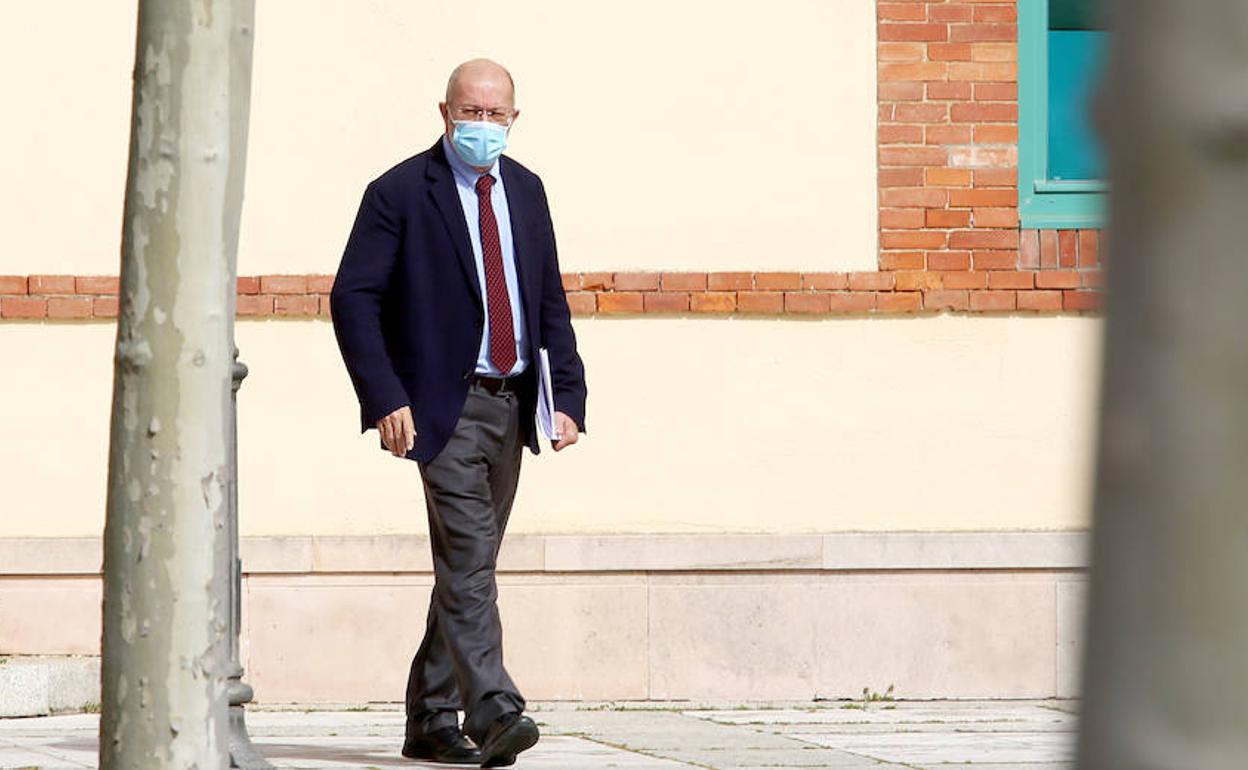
496, 385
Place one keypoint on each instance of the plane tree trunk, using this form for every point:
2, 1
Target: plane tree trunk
165, 599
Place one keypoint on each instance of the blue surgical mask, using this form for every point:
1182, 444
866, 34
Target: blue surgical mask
479, 142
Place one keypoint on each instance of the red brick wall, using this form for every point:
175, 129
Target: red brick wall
948, 196
948, 166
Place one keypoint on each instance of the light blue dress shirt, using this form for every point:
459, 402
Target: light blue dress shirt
466, 182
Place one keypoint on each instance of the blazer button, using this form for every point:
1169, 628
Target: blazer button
468, 375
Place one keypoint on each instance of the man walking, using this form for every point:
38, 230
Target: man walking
448, 293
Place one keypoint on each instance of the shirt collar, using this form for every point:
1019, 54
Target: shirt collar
465, 174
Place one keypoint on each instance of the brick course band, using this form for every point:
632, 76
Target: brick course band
886, 292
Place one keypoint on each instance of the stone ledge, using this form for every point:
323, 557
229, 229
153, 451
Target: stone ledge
50, 555
673, 635
962, 550
849, 551
39, 686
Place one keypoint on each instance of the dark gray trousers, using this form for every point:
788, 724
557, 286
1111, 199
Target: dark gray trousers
469, 489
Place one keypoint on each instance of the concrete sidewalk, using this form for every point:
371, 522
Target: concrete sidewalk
990, 735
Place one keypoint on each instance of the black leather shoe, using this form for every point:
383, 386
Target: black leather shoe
508, 736
448, 746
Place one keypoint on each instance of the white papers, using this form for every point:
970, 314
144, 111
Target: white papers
546, 398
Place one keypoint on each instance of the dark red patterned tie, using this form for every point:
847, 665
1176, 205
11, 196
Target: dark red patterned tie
502, 334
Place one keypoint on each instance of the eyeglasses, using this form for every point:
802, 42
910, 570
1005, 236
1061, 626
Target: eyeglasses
500, 116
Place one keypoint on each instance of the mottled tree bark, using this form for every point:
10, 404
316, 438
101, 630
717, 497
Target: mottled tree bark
1166, 682
165, 597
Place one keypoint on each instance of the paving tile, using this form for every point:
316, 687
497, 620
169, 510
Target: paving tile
389, 725
1007, 766
18, 758
661, 731
935, 727
918, 748
551, 753
35, 752
867, 764
859, 763
735, 759
891, 715
987, 735
49, 726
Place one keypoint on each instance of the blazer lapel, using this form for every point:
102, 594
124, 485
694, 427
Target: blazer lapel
446, 199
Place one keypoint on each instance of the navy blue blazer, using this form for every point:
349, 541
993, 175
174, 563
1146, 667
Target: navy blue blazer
407, 308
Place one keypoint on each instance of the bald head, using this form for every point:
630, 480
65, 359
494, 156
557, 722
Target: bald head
478, 78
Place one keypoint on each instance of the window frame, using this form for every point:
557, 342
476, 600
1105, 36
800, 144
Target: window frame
1045, 203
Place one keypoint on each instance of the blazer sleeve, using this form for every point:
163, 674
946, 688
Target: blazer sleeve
567, 371
356, 302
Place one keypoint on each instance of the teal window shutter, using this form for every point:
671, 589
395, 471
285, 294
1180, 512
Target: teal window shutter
1061, 164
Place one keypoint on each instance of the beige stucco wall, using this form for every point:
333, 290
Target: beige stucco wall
693, 135
65, 134
943, 423
663, 132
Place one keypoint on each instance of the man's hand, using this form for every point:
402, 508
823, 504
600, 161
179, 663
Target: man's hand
565, 426
398, 432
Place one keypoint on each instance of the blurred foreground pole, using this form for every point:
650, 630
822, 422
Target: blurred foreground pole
165, 598
1166, 675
